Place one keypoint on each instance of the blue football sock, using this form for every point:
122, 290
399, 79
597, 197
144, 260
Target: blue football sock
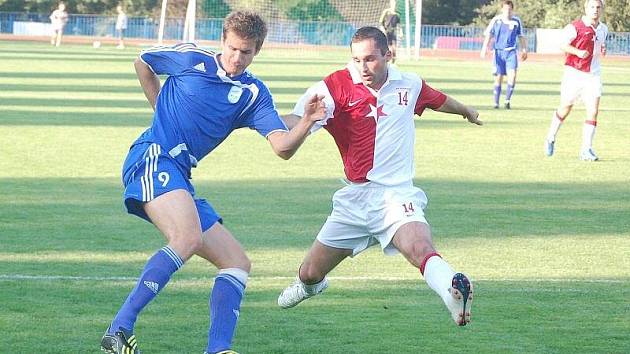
497, 94
508, 94
225, 305
157, 272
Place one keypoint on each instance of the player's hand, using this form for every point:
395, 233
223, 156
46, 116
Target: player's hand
583, 54
315, 108
524, 55
472, 116
603, 49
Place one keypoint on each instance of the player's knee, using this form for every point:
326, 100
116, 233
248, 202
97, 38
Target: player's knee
186, 246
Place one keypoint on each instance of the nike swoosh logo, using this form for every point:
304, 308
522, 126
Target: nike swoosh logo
354, 103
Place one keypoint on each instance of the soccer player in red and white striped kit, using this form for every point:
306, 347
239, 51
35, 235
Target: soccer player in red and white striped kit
585, 44
370, 109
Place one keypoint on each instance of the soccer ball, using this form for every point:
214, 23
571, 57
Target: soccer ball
96, 44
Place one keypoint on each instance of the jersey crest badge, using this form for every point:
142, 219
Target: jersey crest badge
235, 94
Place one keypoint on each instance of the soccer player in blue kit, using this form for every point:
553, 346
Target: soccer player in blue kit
205, 97
505, 28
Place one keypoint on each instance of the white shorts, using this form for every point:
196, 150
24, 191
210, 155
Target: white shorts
579, 86
56, 27
368, 213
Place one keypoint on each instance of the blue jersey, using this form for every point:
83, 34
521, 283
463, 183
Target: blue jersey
505, 33
199, 105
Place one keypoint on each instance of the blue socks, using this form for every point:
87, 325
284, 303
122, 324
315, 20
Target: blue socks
225, 301
225, 305
508, 94
497, 94
157, 272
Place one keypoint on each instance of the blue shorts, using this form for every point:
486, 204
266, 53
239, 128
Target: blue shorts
504, 60
149, 172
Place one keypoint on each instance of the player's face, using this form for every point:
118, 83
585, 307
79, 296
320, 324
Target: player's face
506, 10
237, 53
371, 64
593, 9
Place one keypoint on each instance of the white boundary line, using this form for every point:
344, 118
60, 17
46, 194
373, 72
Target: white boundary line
13, 277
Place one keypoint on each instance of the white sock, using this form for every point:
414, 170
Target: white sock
556, 123
237, 273
439, 276
588, 133
312, 289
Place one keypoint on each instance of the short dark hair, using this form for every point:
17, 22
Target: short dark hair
369, 32
507, 2
247, 25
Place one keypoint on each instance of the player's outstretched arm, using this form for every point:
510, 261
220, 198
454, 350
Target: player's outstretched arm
148, 80
291, 120
451, 105
285, 144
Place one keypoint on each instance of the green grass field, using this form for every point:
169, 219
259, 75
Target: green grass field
546, 240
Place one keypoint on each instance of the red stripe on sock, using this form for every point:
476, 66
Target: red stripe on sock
591, 122
558, 116
424, 261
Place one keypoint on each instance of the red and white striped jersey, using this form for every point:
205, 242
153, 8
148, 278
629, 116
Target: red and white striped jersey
583, 36
374, 130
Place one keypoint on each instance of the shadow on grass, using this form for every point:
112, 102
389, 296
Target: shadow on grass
69, 75
11, 117
535, 317
87, 214
71, 58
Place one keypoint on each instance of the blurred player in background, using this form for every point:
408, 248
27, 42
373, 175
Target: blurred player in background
505, 28
58, 20
370, 108
121, 26
584, 45
205, 97
389, 24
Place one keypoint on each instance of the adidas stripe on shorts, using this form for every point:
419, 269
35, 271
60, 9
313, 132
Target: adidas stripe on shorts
149, 172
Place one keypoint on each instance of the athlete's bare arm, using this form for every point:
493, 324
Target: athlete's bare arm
484, 47
148, 80
285, 144
523, 46
291, 120
567, 48
451, 105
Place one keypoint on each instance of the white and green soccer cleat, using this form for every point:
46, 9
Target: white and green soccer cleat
298, 292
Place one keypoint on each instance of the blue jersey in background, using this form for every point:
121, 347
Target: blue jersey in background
505, 33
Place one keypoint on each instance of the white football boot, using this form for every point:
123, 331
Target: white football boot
588, 155
549, 147
298, 292
460, 302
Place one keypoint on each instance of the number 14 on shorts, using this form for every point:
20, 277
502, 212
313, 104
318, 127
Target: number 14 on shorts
408, 208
